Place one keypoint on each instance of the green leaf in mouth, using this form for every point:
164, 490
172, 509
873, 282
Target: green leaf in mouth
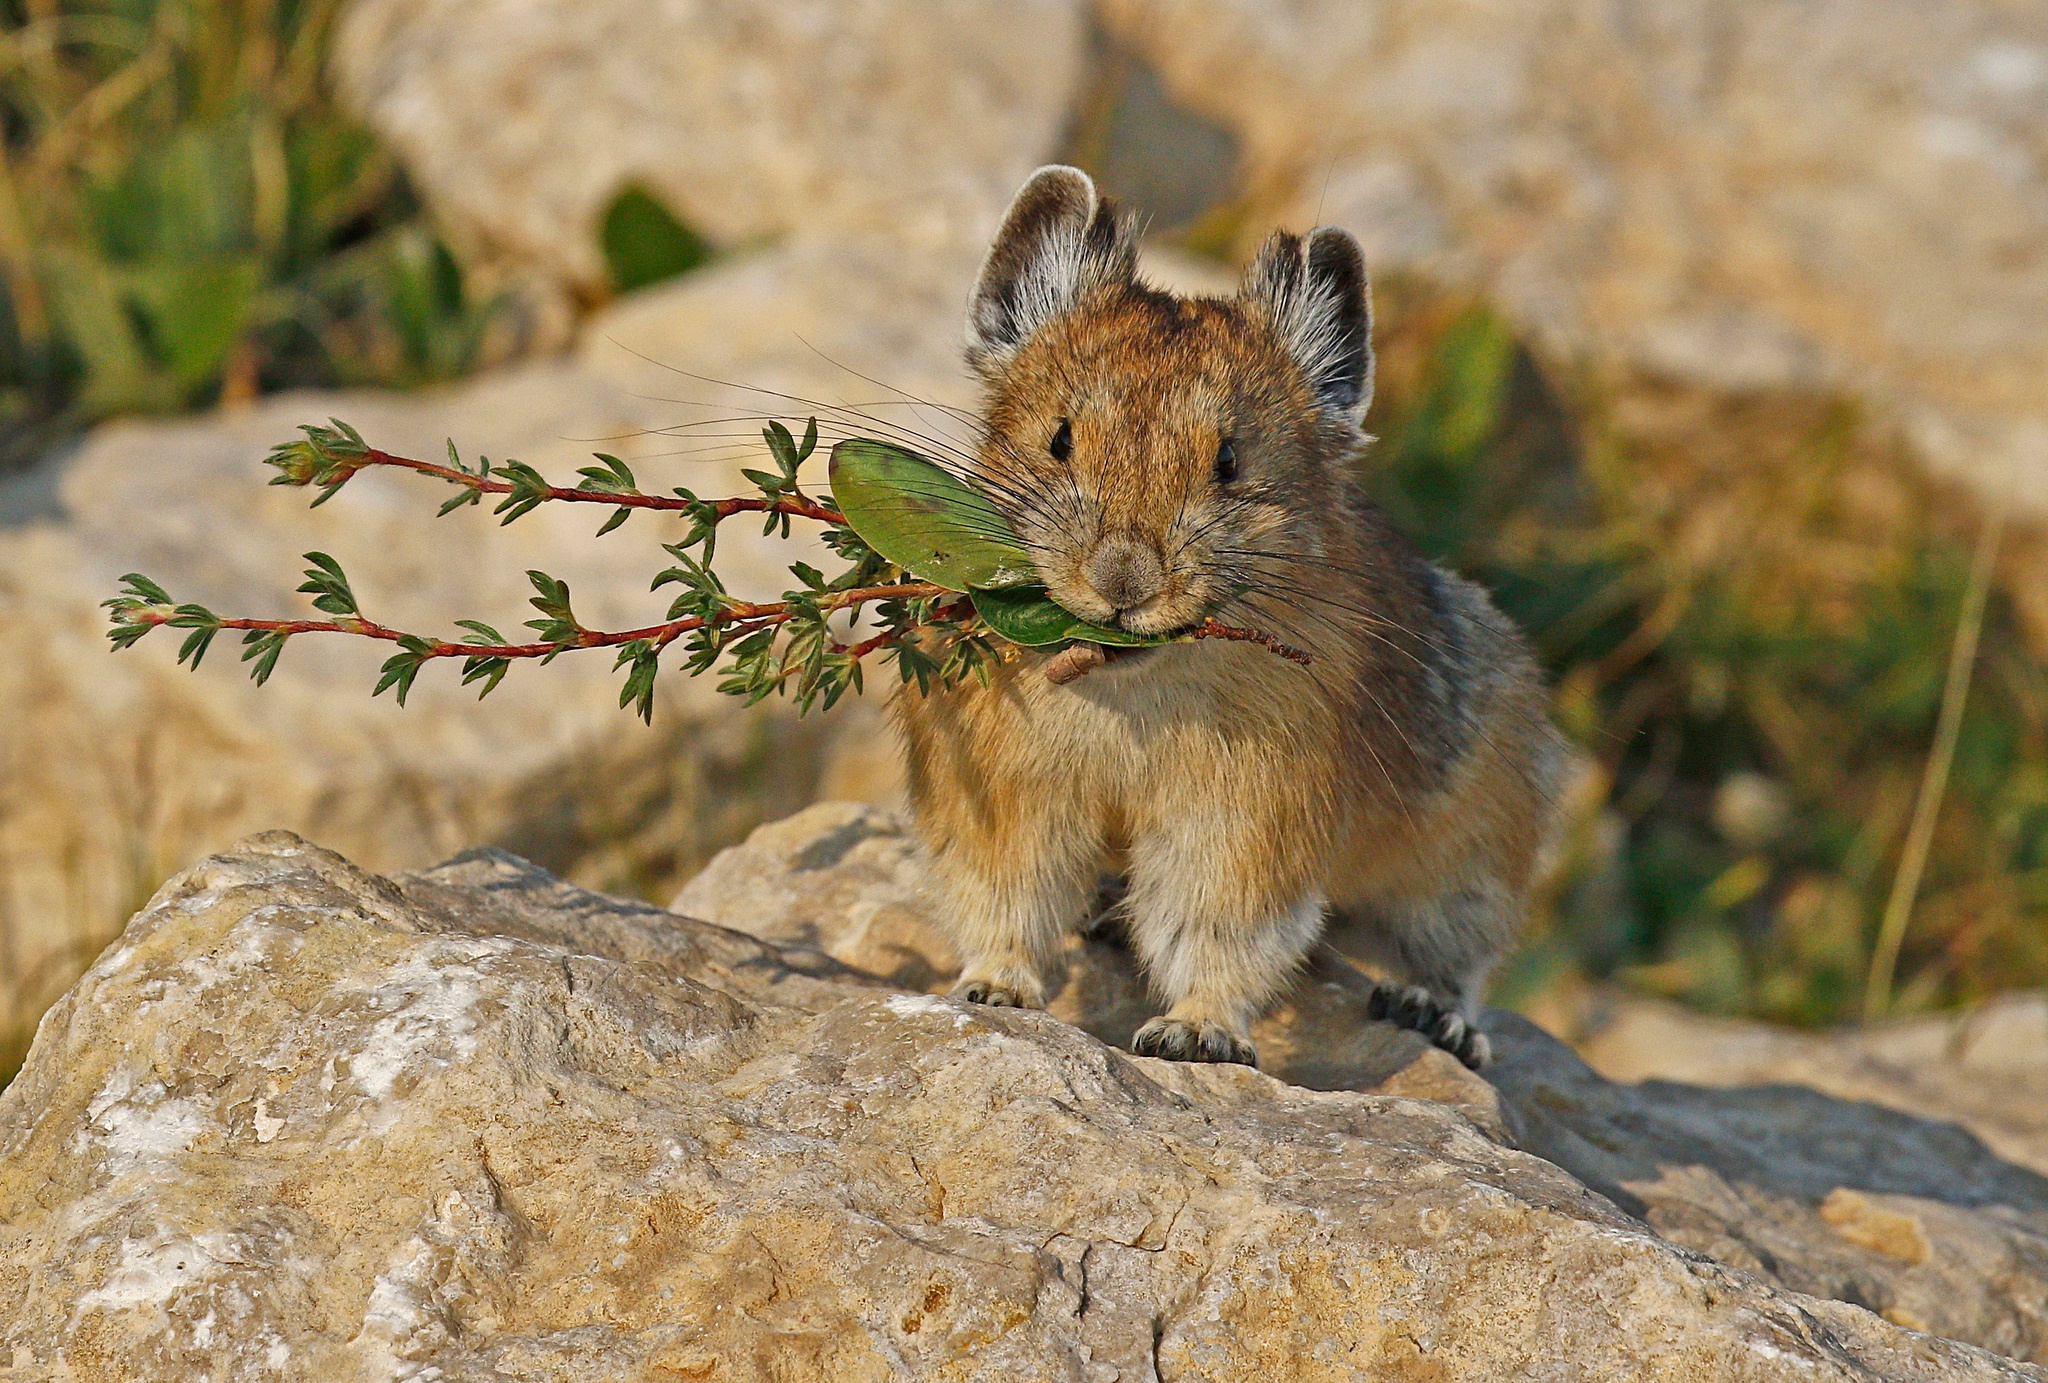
1027, 615
925, 520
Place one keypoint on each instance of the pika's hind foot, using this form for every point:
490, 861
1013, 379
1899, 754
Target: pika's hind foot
1415, 1008
1181, 1039
1106, 922
995, 995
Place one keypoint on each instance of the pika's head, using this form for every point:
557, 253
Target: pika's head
1159, 454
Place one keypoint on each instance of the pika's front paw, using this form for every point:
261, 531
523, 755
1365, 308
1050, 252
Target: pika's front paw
1178, 1039
995, 995
1415, 1008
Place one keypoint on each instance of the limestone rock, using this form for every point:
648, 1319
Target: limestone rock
521, 121
306, 1122
1737, 195
1901, 1212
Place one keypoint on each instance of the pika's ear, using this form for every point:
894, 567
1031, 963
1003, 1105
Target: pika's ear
1316, 295
1058, 244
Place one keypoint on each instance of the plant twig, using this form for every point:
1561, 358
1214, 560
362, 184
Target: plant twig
1213, 628
760, 649
736, 613
798, 504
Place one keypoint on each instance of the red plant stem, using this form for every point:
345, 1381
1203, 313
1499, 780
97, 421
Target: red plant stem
1213, 628
799, 504
758, 616
754, 616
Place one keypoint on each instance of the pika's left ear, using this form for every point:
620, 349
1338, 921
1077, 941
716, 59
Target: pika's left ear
1317, 297
1059, 244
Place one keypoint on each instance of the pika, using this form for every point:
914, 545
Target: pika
1166, 459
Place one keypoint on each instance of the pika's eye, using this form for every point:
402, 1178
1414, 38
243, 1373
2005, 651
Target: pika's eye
1226, 462
1062, 447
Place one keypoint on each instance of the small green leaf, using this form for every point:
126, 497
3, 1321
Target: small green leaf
926, 521
400, 669
263, 646
490, 670
195, 645
638, 691
612, 478
1026, 615
481, 633
142, 589
328, 586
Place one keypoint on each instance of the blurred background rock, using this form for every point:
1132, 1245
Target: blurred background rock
1714, 339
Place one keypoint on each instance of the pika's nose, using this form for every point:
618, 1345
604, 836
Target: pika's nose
1125, 570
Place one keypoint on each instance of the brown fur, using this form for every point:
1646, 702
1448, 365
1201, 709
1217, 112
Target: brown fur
1401, 783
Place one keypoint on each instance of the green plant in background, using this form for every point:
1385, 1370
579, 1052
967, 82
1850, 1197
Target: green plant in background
1759, 703
644, 243
185, 214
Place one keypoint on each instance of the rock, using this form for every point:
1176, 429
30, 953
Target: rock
1903, 1212
1845, 196
521, 122
304, 1121
1986, 1070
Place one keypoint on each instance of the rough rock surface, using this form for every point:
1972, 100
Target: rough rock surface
1748, 196
1896, 1211
306, 1122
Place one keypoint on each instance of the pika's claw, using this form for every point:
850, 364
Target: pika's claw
1418, 1010
1178, 1039
992, 994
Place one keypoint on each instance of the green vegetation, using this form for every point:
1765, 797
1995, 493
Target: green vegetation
1752, 648
644, 243
185, 215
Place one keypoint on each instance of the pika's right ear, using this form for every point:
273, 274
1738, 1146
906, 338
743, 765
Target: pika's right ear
1318, 299
1059, 243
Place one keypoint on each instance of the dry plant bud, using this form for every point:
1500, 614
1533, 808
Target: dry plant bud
1074, 662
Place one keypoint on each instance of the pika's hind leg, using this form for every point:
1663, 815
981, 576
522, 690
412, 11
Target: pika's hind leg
1443, 946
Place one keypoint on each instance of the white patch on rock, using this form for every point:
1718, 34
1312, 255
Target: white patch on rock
137, 1128
925, 1006
154, 1270
432, 1019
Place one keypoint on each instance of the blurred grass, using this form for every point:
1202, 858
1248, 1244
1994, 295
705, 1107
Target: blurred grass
187, 217
1748, 608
